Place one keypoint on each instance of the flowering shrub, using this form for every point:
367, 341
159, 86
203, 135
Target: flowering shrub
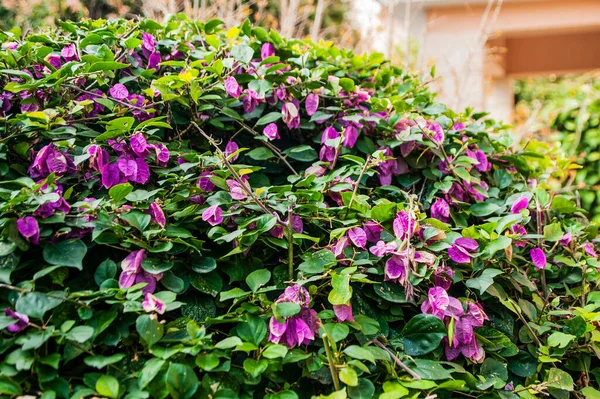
187, 212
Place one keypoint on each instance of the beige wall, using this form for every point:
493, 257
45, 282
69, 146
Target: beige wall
477, 61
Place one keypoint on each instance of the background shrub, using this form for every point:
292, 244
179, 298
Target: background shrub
188, 212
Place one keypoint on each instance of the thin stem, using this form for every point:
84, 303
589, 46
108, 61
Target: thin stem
290, 236
362, 173
21, 290
332, 369
398, 361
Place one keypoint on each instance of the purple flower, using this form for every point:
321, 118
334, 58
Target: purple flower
213, 215
343, 312
458, 126
236, 190
566, 239
291, 116
50, 160
589, 250
538, 258
53, 60
162, 154
484, 165
381, 248
111, 175
47, 209
436, 303
119, 92
271, 131
5, 104
462, 249
267, 50
232, 87
230, 149
133, 273
135, 170
436, 129
350, 136
153, 304
372, 231
148, 42
204, 183
312, 104
28, 227
440, 210
299, 329
138, 108
139, 145
69, 53
443, 277
396, 267
250, 101
157, 214
520, 203
297, 224
10, 45
153, 60
358, 237
388, 168
22, 320
98, 157
517, 229
404, 226
339, 246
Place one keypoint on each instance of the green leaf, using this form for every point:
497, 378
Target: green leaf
483, 209
275, 351
492, 368
560, 379
498, 244
563, 205
204, 265
261, 154
287, 309
341, 292
258, 278
108, 386
423, 334
228, 343
182, 382
68, 253
36, 304
156, 266
242, 53
210, 283
553, 232
137, 219
269, 118
484, 281
356, 352
347, 84
523, 365
150, 370
149, 329
80, 333
107, 66
364, 390
9, 387
254, 330
348, 376
255, 367
99, 361
560, 340
120, 191
106, 270
207, 361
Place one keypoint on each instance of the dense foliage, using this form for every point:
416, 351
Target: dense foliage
187, 212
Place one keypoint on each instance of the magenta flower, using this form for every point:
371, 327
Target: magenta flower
388, 168
147, 42
236, 190
372, 231
404, 226
69, 53
271, 131
250, 101
153, 304
538, 258
459, 126
119, 92
98, 157
162, 154
443, 277
291, 116
231, 148
339, 246
436, 303
589, 250
381, 248
520, 203
204, 183
343, 312
22, 320
111, 175
133, 273
157, 214
312, 104
350, 136
299, 329
396, 268
440, 210
267, 50
517, 229
232, 87
358, 237
484, 165
213, 215
48, 209
50, 160
28, 227
566, 239
436, 129
153, 60
139, 145
462, 249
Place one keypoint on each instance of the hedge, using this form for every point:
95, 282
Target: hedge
190, 212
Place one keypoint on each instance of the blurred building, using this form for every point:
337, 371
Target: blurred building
480, 46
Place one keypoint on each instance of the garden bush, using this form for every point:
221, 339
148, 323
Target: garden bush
193, 212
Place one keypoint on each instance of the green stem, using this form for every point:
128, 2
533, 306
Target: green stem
290, 237
334, 375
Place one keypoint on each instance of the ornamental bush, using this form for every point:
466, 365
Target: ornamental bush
189, 212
